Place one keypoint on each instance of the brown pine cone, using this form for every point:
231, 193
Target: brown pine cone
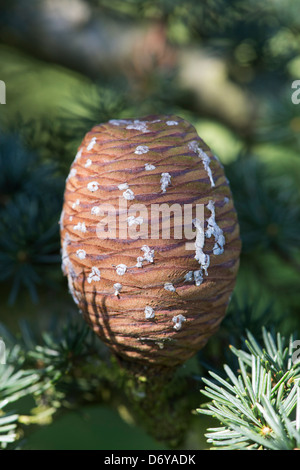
153, 295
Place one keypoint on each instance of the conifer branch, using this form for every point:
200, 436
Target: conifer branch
259, 405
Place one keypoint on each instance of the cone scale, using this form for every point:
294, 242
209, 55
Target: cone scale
152, 294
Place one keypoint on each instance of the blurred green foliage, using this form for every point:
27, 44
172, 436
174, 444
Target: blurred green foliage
54, 98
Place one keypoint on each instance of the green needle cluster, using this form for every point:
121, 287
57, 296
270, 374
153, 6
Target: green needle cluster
259, 406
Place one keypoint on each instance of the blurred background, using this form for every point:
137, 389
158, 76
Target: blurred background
228, 68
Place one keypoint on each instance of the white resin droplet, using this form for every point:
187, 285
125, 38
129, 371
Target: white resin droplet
148, 253
188, 277
202, 258
119, 122
134, 220
141, 149
198, 277
121, 269
204, 157
123, 186
117, 288
128, 194
149, 167
139, 262
88, 163
76, 203
95, 210
178, 320
94, 276
78, 155
165, 181
172, 123
72, 173
92, 143
149, 312
214, 230
93, 186
64, 254
80, 227
81, 254
138, 126
168, 286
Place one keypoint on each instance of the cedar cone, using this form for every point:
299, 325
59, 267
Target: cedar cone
152, 300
